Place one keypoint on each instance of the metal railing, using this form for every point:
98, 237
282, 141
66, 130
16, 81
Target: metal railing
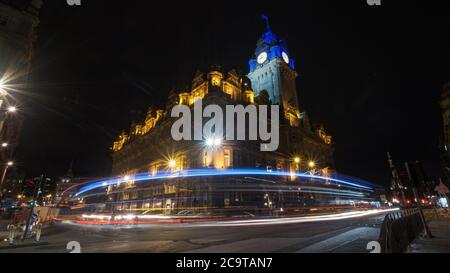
400, 228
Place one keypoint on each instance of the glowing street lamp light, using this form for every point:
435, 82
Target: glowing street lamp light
217, 142
209, 142
213, 142
297, 160
172, 163
4, 144
311, 164
2, 87
12, 109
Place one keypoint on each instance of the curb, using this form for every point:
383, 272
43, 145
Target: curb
23, 245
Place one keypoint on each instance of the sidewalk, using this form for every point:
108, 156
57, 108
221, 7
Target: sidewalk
3, 232
19, 244
440, 229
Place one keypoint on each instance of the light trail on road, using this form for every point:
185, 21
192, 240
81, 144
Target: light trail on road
304, 219
147, 177
230, 223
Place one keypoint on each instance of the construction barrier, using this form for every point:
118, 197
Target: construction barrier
399, 229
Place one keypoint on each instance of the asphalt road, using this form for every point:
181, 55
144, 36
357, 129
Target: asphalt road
347, 235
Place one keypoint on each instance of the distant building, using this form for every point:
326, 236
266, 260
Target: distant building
45, 189
149, 147
409, 181
13, 186
445, 145
272, 81
418, 180
397, 190
18, 23
67, 186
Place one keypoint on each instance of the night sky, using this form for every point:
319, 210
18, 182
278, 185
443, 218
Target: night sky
371, 75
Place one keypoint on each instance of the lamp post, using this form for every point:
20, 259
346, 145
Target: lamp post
3, 92
4, 113
297, 161
312, 167
11, 109
33, 205
2, 88
8, 164
172, 164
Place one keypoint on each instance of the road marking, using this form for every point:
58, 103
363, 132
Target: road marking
338, 241
261, 245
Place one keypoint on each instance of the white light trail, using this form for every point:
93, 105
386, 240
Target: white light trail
293, 220
237, 223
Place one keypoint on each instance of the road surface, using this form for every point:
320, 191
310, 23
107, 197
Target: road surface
345, 235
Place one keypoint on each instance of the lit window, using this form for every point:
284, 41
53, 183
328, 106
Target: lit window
227, 158
205, 159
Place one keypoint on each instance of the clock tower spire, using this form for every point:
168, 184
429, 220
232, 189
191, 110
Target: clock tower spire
273, 70
265, 18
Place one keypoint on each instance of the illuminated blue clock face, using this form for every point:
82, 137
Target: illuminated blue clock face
262, 58
285, 57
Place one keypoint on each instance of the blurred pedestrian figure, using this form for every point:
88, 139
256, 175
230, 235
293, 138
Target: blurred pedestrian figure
12, 233
38, 228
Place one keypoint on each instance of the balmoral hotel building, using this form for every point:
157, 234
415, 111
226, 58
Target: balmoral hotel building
149, 147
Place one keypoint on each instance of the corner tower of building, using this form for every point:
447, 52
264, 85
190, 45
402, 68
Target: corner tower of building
272, 69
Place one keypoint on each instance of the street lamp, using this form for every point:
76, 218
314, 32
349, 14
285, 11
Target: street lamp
172, 163
311, 164
213, 142
2, 87
8, 164
297, 160
4, 144
4, 114
12, 109
217, 142
209, 142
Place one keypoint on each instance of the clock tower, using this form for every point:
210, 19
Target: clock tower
272, 70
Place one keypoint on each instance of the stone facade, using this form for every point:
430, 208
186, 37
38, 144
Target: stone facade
149, 146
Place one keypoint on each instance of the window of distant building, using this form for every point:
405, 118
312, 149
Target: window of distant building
134, 195
279, 165
126, 196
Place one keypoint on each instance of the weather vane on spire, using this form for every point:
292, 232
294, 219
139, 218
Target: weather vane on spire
266, 18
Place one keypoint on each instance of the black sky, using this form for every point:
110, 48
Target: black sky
371, 75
